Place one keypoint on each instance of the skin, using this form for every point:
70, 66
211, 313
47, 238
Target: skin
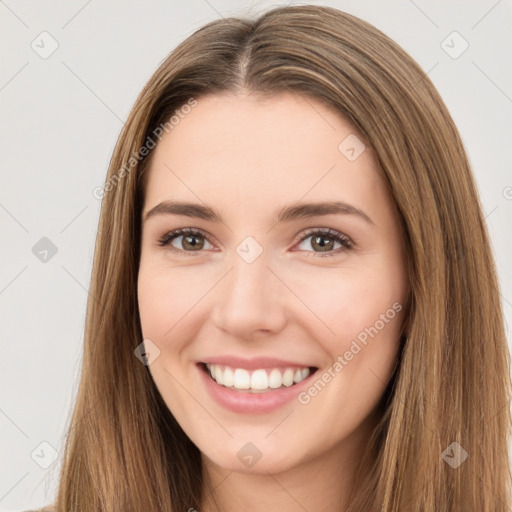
247, 157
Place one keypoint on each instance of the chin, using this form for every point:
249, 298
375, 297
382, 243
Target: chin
251, 459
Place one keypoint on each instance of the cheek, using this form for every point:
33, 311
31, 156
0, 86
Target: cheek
358, 319
349, 302
364, 313
164, 297
166, 300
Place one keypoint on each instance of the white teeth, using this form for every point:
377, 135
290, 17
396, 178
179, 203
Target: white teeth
219, 377
274, 379
257, 380
229, 377
288, 377
242, 379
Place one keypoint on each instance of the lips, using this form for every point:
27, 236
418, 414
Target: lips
252, 401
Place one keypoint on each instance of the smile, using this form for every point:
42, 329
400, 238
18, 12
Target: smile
259, 380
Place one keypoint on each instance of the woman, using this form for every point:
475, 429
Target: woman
336, 340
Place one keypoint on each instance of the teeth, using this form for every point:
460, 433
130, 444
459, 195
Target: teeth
219, 376
288, 377
242, 379
274, 379
257, 380
229, 377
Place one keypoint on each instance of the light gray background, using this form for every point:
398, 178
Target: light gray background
60, 119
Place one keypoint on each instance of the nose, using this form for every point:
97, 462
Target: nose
250, 300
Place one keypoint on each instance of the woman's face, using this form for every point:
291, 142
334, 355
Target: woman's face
258, 292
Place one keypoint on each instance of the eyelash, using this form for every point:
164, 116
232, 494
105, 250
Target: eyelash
335, 235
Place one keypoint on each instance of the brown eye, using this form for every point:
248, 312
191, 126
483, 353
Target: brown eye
192, 240
324, 241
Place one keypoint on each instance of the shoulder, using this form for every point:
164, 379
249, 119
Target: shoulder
48, 508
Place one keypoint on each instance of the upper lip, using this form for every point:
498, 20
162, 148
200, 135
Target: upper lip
254, 363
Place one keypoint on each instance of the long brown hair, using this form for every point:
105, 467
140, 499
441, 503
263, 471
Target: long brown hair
124, 449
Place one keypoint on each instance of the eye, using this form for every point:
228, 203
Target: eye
324, 240
193, 240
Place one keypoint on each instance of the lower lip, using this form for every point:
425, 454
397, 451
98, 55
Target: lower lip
251, 403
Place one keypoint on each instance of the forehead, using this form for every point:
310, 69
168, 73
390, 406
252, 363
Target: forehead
251, 151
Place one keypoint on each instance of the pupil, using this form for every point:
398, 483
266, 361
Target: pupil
192, 243
319, 239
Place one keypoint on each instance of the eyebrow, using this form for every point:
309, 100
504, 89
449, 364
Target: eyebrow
286, 214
